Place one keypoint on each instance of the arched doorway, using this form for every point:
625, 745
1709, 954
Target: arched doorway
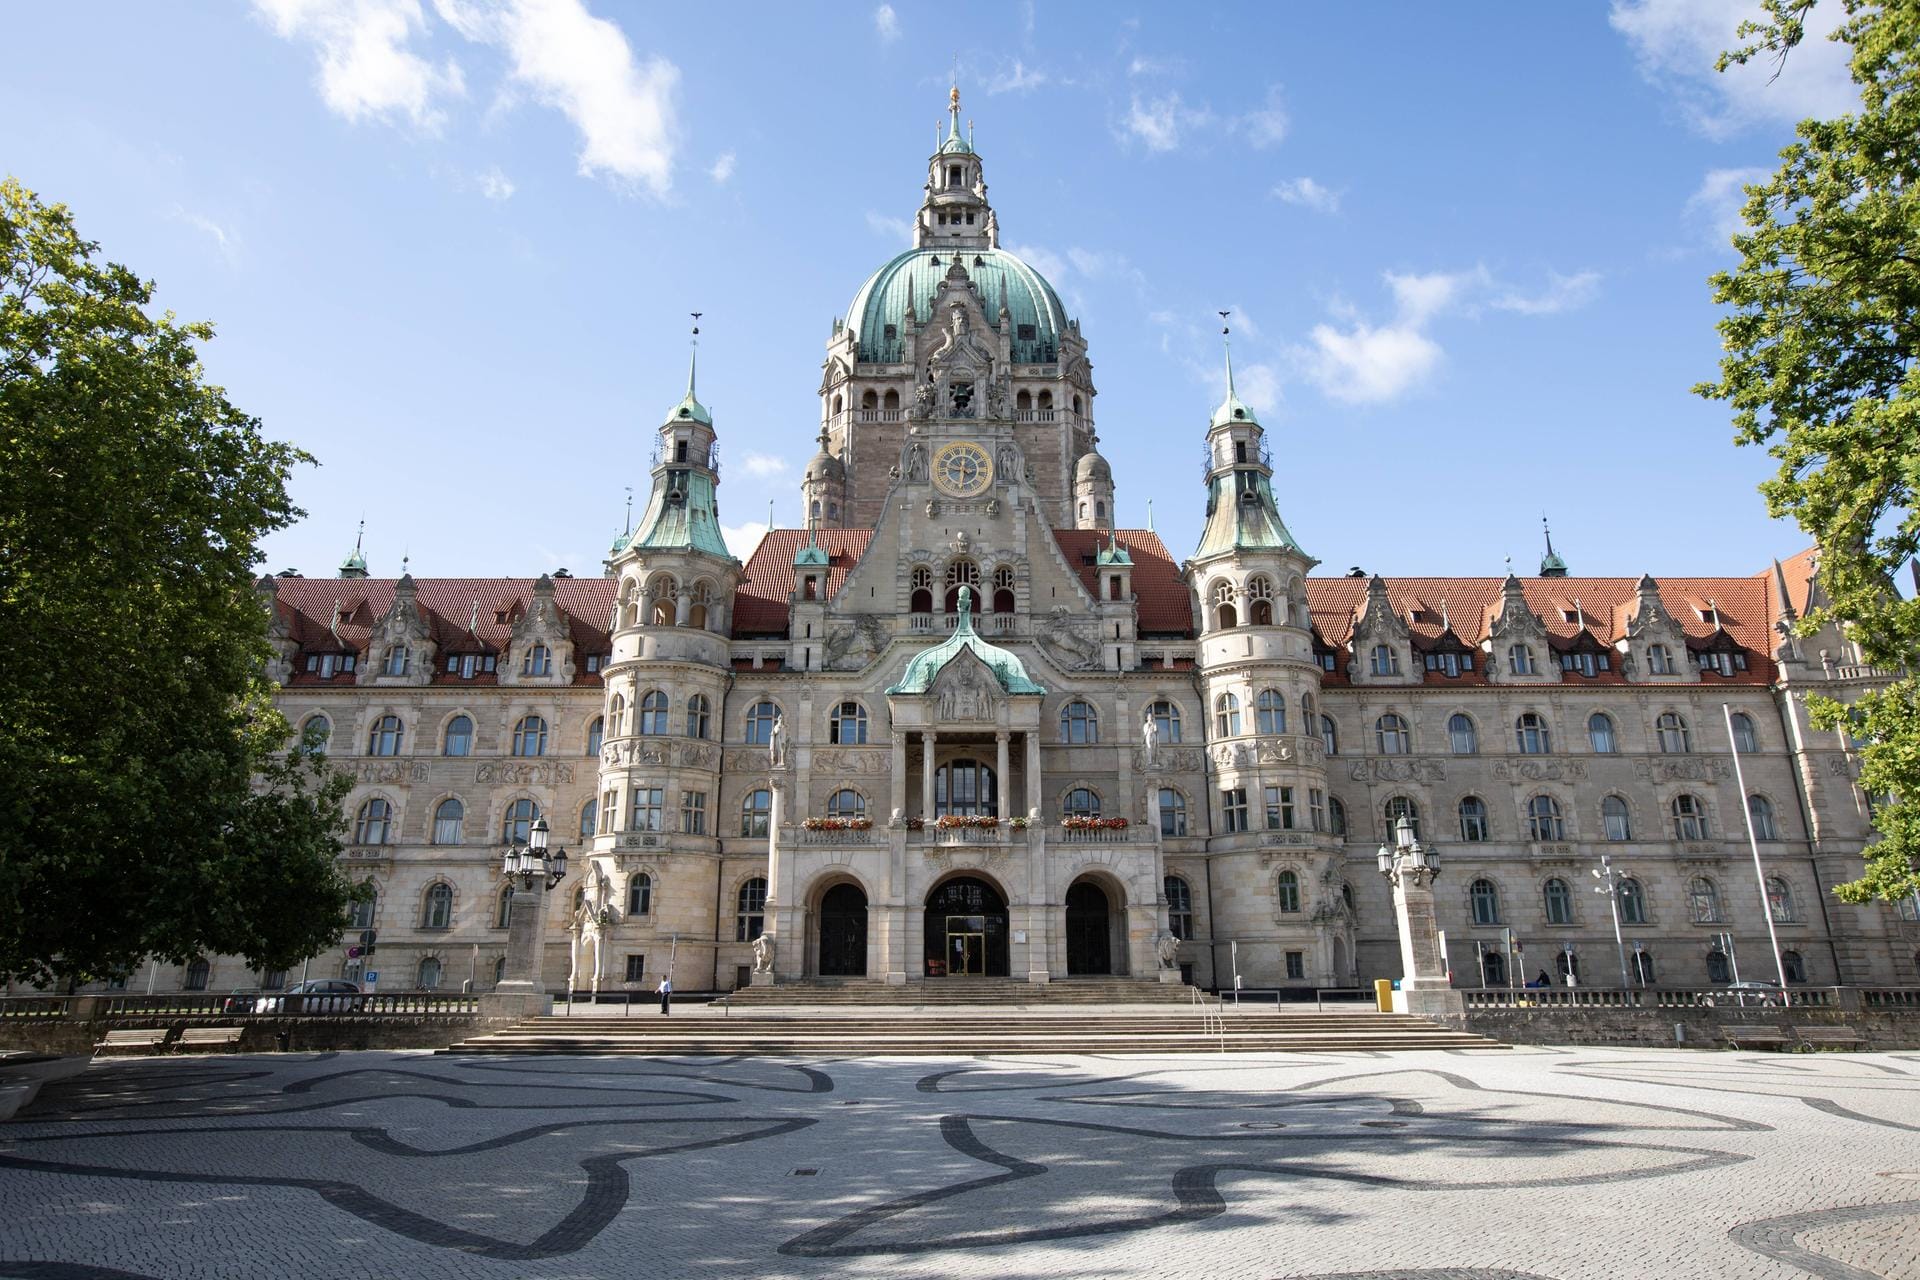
966, 930
843, 932
1089, 930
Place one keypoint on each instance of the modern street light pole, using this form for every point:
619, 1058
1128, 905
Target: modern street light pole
1604, 874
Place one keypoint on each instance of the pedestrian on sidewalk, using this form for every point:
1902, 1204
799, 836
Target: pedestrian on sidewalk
666, 996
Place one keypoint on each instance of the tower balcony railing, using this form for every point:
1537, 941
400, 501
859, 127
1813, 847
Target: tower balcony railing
1127, 834
830, 838
879, 415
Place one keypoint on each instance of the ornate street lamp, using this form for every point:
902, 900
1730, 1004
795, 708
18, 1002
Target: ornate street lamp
525, 861
531, 870
1411, 868
1408, 857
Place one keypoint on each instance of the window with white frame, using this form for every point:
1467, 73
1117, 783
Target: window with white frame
1233, 809
699, 716
1270, 712
374, 823
517, 828
1079, 723
655, 712
1616, 821
1173, 812
385, 737
1760, 814
1689, 818
1600, 734
1226, 716
1531, 735
847, 726
1543, 819
646, 808
1671, 730
530, 736
755, 810
1473, 820
1392, 735
448, 819
1462, 737
1179, 908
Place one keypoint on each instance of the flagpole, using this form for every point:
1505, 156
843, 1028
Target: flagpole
1753, 843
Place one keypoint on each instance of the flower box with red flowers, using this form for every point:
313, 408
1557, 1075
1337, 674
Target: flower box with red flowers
1080, 822
838, 824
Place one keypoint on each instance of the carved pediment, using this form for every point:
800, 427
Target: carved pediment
1378, 623
965, 691
1515, 621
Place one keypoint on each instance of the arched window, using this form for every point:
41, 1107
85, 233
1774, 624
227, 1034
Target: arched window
438, 910
750, 908
1224, 614
1462, 736
619, 716
1179, 908
1520, 660
1794, 967
1559, 901
1336, 817
1658, 661
921, 584
1671, 730
1081, 802
966, 788
1600, 734
1641, 964
1286, 891
530, 736
1392, 736
385, 736
1703, 901
1543, 819
1384, 661
1493, 969
755, 811
448, 818
1717, 968
1633, 902
1567, 965
1473, 820
961, 573
503, 908
199, 973
1689, 818
846, 803
374, 823
1329, 736
1485, 900
1173, 812
1531, 732
316, 732
760, 718
1760, 814
596, 734
429, 979
1616, 822
399, 661
538, 662
1270, 712
1166, 719
1398, 807
640, 894
589, 819
1780, 900
517, 827
699, 716
1079, 722
360, 912
654, 712
1260, 602
1226, 716
1744, 737
848, 724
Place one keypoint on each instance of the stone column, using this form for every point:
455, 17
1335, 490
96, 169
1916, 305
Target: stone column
1002, 778
1424, 989
1033, 771
926, 774
897, 783
522, 991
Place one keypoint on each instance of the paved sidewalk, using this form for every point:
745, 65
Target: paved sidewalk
1555, 1164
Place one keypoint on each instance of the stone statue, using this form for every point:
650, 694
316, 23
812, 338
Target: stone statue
777, 742
763, 954
916, 461
1169, 950
1149, 739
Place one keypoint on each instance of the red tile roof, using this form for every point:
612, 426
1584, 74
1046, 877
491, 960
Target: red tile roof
760, 605
1166, 606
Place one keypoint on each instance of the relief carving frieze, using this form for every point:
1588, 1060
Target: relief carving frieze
851, 763
543, 773
387, 771
1539, 770
1168, 759
1398, 771
699, 755
1683, 769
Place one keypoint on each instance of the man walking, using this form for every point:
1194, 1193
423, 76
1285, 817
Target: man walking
666, 996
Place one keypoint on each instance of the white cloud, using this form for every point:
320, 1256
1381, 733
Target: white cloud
1159, 122
1045, 261
1266, 125
495, 185
1144, 65
1258, 385
228, 244
887, 23
367, 68
1420, 297
1368, 365
722, 167
741, 539
1308, 194
1715, 205
894, 228
1563, 293
566, 58
1678, 41
1021, 79
763, 465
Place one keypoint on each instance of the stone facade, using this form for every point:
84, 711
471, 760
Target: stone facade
732, 750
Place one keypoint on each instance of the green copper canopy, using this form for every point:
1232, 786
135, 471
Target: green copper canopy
911, 280
928, 663
1242, 515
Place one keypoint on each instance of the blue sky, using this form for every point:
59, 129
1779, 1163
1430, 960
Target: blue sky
450, 247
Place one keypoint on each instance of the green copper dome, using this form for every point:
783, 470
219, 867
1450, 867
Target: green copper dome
928, 663
1038, 317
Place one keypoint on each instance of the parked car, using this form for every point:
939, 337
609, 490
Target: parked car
1745, 993
318, 995
240, 1000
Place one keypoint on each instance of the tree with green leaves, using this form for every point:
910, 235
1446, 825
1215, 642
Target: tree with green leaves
1821, 364
153, 803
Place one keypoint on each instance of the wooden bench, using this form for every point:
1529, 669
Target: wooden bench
133, 1041
1830, 1037
203, 1038
1758, 1037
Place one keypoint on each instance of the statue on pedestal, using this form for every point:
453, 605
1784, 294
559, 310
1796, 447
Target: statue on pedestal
763, 954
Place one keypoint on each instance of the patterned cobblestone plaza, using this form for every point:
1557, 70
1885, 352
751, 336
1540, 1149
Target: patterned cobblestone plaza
1559, 1164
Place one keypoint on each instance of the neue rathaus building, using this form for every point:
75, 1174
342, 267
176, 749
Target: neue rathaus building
909, 743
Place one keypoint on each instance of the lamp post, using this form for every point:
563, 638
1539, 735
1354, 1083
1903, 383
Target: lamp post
1411, 868
531, 870
1604, 874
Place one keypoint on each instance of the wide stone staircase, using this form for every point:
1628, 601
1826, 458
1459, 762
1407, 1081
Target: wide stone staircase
957, 991
853, 1030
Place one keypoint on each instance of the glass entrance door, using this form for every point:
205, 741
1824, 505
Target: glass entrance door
966, 945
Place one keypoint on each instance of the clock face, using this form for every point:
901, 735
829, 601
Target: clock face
962, 469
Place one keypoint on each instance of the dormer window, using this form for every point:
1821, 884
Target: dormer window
595, 661
892, 333
399, 660
538, 662
468, 665
1385, 661
328, 665
953, 175
680, 451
